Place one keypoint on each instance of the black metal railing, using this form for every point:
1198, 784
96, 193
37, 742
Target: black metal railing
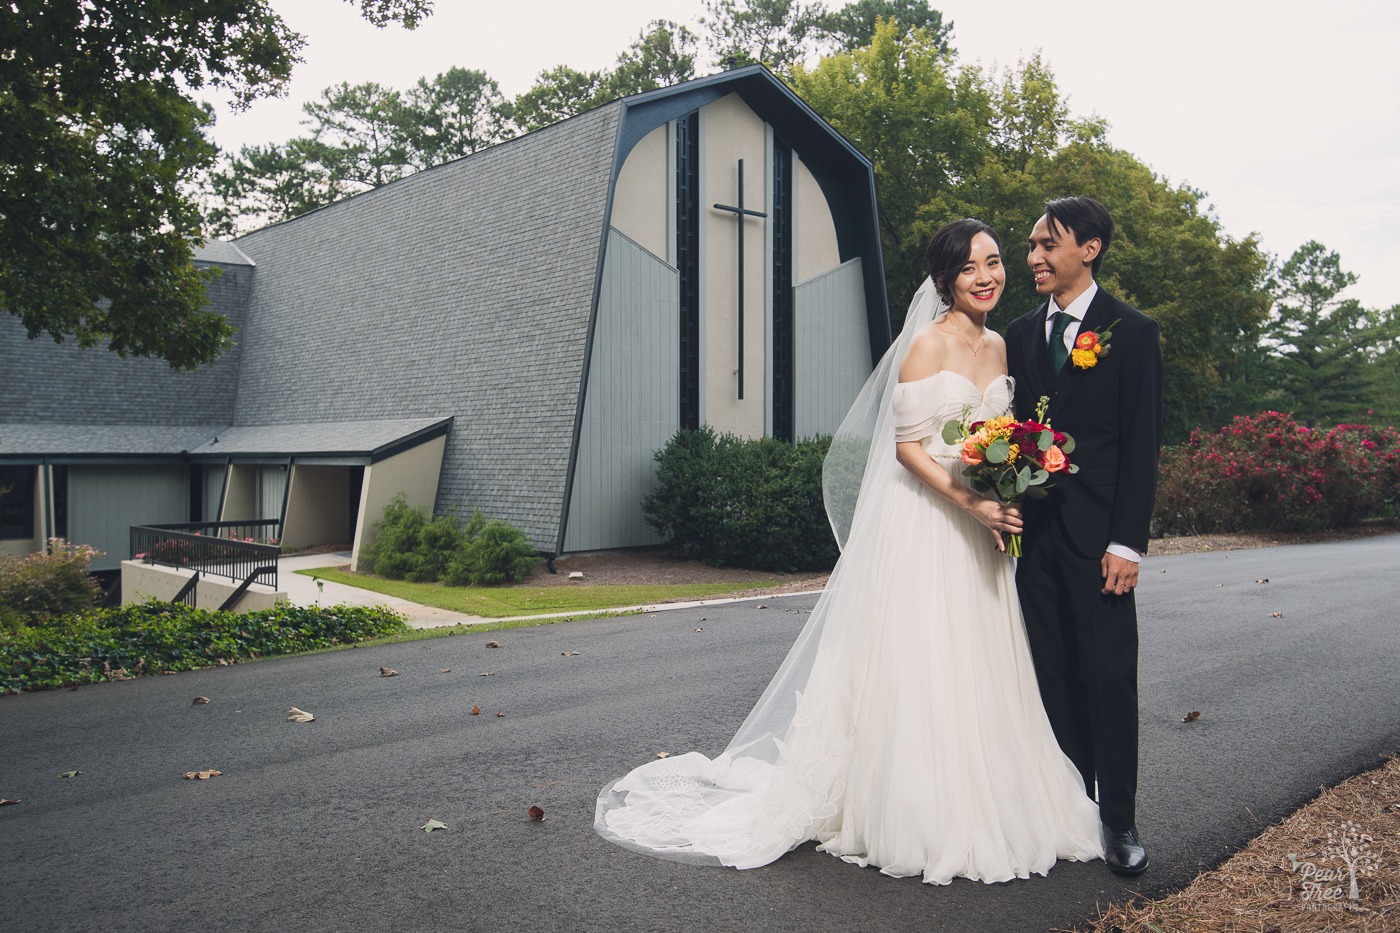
237, 550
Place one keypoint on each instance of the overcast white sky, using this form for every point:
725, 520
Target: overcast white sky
1287, 114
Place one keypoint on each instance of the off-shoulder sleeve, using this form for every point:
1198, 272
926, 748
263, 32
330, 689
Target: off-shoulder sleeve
915, 412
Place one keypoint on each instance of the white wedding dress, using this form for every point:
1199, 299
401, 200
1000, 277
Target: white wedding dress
912, 737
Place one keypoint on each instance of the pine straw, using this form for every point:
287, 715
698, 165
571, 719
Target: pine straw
1258, 890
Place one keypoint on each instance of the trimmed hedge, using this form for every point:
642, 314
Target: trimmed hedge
746, 502
117, 644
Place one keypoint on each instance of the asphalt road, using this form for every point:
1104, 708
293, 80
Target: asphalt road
316, 826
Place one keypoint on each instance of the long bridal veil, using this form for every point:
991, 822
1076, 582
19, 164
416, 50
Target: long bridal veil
776, 782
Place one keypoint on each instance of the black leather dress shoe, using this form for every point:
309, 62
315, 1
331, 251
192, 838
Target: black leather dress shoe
1123, 852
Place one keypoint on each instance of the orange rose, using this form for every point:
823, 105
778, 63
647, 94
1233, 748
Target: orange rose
1087, 340
1054, 459
971, 453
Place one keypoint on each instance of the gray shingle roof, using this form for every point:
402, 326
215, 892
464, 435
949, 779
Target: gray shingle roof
329, 438
46, 440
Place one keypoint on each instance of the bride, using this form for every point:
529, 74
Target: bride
904, 730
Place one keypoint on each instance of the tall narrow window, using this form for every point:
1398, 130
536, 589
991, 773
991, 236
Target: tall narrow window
688, 263
782, 293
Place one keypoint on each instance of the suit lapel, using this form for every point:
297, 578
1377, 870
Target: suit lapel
1095, 319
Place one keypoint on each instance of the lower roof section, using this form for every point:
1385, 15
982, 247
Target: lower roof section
364, 441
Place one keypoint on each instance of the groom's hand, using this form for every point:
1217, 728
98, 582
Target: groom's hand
1120, 575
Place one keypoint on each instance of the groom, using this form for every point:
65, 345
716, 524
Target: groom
1083, 542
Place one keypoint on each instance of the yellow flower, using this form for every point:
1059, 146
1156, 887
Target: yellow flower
1013, 453
997, 427
1084, 359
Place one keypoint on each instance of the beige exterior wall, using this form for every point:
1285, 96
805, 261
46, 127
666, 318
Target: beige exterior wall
414, 473
240, 497
642, 199
317, 509
814, 231
142, 582
730, 131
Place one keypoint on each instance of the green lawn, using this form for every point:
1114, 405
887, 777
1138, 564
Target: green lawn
495, 602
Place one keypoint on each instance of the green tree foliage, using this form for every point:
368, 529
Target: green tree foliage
1323, 353
662, 54
101, 142
778, 33
853, 26
360, 137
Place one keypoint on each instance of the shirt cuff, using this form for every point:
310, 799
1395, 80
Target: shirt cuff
1125, 552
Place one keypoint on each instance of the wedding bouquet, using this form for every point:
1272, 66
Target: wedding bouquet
1011, 459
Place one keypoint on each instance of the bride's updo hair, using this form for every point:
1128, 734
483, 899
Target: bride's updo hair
948, 251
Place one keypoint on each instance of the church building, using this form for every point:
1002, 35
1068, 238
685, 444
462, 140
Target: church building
515, 332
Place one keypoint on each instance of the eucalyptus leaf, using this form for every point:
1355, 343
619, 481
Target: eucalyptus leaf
952, 432
998, 450
1044, 439
1039, 477
1023, 481
1068, 445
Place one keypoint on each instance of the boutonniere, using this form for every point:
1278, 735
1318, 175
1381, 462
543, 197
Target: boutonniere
1089, 346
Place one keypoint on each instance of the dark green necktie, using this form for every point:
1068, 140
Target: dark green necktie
1058, 353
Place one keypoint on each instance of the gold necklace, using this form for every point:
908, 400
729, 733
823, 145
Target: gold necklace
981, 343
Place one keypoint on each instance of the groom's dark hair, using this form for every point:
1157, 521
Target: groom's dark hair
948, 251
1087, 219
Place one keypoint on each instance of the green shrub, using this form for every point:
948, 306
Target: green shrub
491, 553
51, 584
410, 546
1266, 472
748, 502
116, 644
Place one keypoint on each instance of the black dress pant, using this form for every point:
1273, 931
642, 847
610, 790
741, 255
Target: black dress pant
1084, 645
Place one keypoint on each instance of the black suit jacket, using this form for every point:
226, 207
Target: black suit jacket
1114, 413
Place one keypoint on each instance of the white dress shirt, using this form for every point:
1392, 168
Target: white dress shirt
1076, 310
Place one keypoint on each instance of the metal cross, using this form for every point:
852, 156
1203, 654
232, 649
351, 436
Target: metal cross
740, 212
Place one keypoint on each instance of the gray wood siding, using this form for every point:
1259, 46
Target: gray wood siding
831, 348
632, 405
105, 501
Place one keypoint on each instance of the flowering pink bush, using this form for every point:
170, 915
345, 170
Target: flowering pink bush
42, 587
1266, 472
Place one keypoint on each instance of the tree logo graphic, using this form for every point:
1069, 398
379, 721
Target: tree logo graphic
1348, 855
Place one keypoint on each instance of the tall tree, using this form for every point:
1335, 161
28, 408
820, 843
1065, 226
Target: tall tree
101, 141
853, 26
778, 33
1321, 346
662, 54
359, 137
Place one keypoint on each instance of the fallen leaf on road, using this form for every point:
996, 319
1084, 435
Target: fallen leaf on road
432, 825
299, 715
388, 672
166, 673
201, 775
499, 714
663, 754
199, 701
445, 670
1191, 716
1276, 615
569, 654
476, 710
701, 629
487, 674
763, 607
537, 814
493, 644
1265, 580
70, 774
5, 803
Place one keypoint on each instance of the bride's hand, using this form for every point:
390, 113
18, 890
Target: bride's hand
999, 519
